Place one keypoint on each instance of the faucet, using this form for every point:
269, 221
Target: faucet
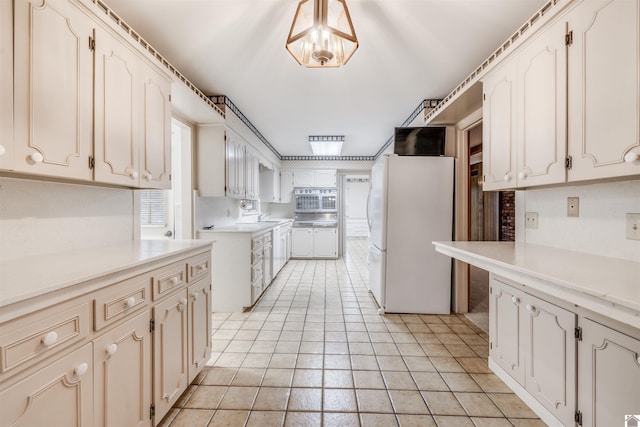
260, 217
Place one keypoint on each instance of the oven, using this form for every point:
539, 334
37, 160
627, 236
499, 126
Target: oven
315, 200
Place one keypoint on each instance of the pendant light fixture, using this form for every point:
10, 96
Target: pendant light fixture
322, 34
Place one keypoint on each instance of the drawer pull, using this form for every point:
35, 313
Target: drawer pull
522, 175
81, 369
182, 304
130, 302
175, 280
195, 295
50, 339
202, 267
507, 177
515, 300
133, 174
631, 157
148, 176
37, 158
111, 349
531, 309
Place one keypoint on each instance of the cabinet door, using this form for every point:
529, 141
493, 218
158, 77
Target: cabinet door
276, 184
325, 178
608, 375
232, 162
53, 89
199, 326
498, 128
303, 178
6, 85
155, 152
61, 394
170, 370
325, 243
505, 307
550, 357
541, 109
122, 362
302, 242
267, 270
117, 112
286, 186
604, 89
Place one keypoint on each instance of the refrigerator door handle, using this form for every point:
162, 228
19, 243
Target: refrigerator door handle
369, 206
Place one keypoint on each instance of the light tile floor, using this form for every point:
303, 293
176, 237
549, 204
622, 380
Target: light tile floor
314, 352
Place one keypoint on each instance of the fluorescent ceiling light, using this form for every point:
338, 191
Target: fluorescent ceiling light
326, 145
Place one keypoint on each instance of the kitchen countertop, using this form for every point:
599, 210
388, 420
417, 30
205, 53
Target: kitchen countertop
64, 275
609, 286
248, 227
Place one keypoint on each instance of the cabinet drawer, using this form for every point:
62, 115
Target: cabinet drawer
256, 272
198, 267
41, 334
168, 279
257, 242
120, 300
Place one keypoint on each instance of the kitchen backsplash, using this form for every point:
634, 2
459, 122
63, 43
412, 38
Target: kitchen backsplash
38, 217
600, 227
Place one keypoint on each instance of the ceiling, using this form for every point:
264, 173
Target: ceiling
410, 50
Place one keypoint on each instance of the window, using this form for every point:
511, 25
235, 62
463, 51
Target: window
153, 207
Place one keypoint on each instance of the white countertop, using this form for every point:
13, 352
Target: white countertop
37, 276
248, 227
609, 286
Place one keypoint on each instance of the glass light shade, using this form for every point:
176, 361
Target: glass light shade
322, 34
326, 148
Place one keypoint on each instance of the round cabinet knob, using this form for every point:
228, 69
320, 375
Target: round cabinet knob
515, 300
50, 338
631, 157
36, 157
507, 177
148, 176
111, 349
522, 175
175, 281
2, 150
133, 174
130, 302
638, 359
531, 308
81, 369
195, 295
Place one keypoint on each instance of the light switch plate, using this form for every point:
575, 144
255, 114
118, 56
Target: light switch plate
632, 226
573, 206
531, 219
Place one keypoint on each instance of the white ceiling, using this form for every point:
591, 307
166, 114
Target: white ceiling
410, 50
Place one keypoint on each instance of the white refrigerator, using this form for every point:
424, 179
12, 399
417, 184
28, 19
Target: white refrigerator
410, 205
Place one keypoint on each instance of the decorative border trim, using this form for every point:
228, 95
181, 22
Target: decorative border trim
425, 104
223, 101
326, 138
334, 158
146, 46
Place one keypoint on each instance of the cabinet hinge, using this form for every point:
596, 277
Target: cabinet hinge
92, 41
92, 162
577, 333
152, 411
169, 98
152, 325
578, 418
568, 162
490, 289
490, 345
568, 38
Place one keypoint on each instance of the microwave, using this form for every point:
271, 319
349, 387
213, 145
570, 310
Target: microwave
315, 200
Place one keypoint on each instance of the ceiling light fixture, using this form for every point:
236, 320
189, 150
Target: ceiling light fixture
326, 145
322, 34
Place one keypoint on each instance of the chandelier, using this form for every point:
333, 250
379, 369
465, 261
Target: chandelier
322, 34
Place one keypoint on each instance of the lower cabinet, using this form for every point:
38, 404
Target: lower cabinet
533, 341
60, 393
199, 312
314, 242
608, 375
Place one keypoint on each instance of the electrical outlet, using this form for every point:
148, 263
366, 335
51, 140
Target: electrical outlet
632, 226
531, 219
573, 206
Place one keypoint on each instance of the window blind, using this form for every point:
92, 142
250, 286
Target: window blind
153, 207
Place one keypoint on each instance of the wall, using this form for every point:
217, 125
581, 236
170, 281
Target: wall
39, 217
600, 228
340, 165
220, 211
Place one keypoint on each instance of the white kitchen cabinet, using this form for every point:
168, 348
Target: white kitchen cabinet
6, 85
314, 242
236, 157
122, 361
53, 89
608, 375
267, 260
270, 185
533, 341
286, 186
133, 117
199, 312
252, 174
524, 115
56, 393
604, 89
314, 178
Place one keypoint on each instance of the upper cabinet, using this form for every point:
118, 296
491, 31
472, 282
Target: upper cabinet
314, 178
6, 85
270, 184
566, 106
604, 89
286, 186
87, 104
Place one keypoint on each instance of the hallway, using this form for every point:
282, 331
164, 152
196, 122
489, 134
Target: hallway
314, 352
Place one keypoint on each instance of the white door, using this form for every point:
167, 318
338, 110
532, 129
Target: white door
377, 262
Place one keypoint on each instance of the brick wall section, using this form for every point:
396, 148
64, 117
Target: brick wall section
507, 216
